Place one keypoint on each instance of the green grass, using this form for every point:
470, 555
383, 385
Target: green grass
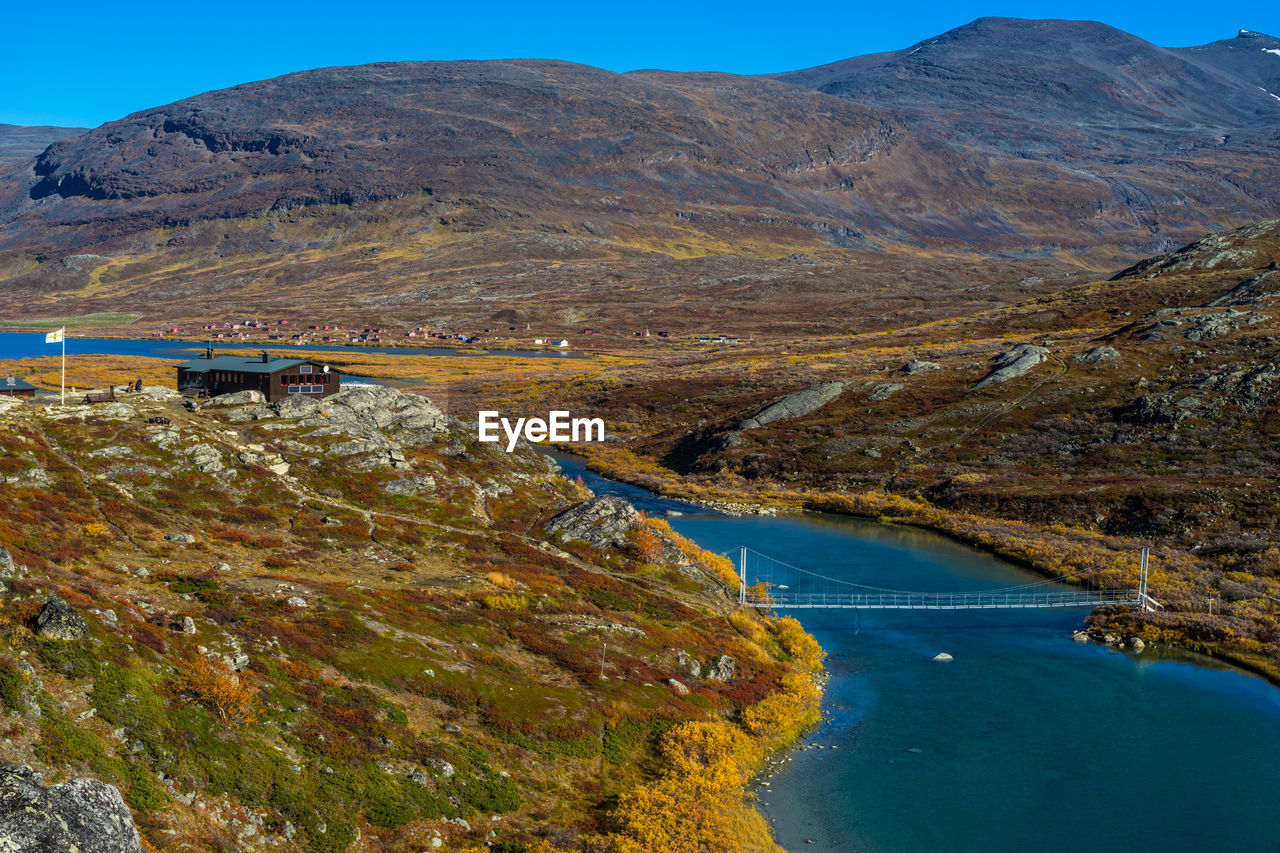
96, 319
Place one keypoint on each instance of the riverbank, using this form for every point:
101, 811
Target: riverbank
1069, 554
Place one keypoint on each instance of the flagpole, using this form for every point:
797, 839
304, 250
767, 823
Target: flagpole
63, 386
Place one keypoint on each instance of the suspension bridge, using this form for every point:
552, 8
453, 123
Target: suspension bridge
769, 583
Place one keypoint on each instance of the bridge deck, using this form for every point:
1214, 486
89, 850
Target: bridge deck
933, 601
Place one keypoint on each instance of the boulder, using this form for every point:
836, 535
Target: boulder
723, 669
58, 620
678, 686
883, 391
159, 392
410, 485
602, 521
1013, 363
942, 656
238, 398
1136, 644
1097, 355
796, 405
7, 568
116, 410
80, 816
181, 538
296, 406
911, 368
188, 625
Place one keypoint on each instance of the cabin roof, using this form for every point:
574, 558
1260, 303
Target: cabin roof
18, 384
242, 364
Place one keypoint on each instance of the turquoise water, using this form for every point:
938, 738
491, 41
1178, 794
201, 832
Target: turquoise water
1026, 741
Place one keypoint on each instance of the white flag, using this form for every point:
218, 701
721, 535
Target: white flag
55, 337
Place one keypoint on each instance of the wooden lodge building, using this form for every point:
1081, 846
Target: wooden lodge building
276, 378
12, 386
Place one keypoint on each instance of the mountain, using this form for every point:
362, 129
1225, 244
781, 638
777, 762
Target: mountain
1061, 146
19, 144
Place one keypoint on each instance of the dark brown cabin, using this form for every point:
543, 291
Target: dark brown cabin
12, 386
276, 378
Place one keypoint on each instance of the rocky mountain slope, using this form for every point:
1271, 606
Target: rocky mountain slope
1057, 146
350, 625
21, 144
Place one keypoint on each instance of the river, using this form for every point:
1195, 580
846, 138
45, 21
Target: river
1026, 741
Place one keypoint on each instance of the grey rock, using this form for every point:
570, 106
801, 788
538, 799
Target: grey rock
723, 669
116, 411
296, 601
942, 656
796, 405
206, 458
871, 452
440, 768
110, 452
188, 625
7, 567
1013, 363
238, 398
689, 664
296, 406
80, 816
58, 620
883, 391
451, 728
678, 686
1136, 644
1209, 326
911, 368
603, 521
222, 567
1097, 355
181, 538
159, 392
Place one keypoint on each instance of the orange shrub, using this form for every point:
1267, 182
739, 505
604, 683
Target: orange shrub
213, 682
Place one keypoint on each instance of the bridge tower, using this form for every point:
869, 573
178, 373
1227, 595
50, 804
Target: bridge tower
1142, 579
742, 575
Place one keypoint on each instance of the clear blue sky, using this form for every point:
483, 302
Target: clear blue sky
80, 63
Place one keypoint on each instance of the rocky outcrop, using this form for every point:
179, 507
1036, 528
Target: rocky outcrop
883, 391
911, 368
80, 816
722, 669
1097, 355
603, 521
795, 405
7, 568
410, 485
1014, 363
1210, 326
238, 398
58, 620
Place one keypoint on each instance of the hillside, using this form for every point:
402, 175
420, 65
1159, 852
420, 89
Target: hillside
1065, 431
349, 626
20, 144
463, 189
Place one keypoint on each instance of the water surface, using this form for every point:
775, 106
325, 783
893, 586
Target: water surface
1026, 741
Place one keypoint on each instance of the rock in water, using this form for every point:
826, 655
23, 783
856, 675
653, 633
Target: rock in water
942, 656
723, 669
83, 815
603, 521
58, 620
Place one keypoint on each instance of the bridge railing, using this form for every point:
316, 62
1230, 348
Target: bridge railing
944, 601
